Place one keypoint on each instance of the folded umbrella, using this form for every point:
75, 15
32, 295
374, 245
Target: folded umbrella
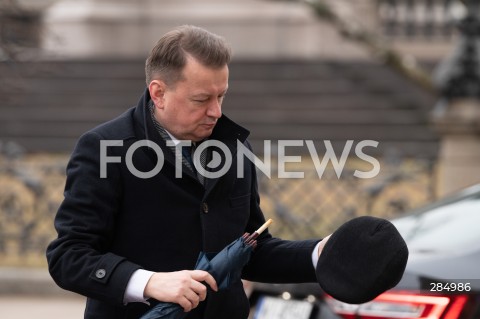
225, 266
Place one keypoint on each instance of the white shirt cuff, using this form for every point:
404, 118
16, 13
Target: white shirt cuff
136, 286
315, 255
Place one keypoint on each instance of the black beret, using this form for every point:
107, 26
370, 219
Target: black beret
363, 258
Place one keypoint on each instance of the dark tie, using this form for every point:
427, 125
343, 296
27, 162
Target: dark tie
188, 154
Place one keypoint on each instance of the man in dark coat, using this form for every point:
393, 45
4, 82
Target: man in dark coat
137, 211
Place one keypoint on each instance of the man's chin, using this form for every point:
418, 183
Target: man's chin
205, 133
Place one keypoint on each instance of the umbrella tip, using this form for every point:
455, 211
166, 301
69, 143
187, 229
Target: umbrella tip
264, 226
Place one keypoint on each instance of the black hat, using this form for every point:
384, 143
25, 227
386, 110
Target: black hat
363, 258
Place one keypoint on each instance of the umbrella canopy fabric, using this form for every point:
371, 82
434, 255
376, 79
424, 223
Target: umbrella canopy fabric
225, 266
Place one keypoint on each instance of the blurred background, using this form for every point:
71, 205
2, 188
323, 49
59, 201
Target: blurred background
403, 73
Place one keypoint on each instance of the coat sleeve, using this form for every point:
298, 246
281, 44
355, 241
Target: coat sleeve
276, 260
79, 259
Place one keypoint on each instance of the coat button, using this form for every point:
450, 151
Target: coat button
205, 207
100, 273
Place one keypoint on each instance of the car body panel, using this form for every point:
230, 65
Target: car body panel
444, 244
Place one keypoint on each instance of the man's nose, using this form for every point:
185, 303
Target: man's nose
215, 109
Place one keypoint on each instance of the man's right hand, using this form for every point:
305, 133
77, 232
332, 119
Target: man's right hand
182, 287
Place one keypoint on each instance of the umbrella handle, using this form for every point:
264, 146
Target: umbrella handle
263, 227
250, 239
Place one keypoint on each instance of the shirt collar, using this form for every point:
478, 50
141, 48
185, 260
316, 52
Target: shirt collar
175, 140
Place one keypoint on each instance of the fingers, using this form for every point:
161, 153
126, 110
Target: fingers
196, 292
199, 289
322, 244
200, 275
185, 288
189, 301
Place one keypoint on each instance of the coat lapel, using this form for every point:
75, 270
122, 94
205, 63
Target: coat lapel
226, 131
145, 124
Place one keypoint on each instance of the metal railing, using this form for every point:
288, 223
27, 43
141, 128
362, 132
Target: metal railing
311, 207
31, 189
422, 19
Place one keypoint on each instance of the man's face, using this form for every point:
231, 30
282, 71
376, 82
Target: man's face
190, 109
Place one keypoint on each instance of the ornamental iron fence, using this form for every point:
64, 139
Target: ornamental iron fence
31, 189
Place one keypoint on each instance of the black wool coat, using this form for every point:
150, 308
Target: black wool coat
110, 226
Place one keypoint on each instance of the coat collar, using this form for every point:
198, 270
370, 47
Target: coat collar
225, 131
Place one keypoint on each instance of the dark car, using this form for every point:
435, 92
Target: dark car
441, 281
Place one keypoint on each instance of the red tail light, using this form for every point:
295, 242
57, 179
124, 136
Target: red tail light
403, 305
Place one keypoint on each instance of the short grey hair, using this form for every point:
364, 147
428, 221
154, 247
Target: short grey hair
168, 57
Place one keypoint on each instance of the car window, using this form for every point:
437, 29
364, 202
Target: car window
452, 227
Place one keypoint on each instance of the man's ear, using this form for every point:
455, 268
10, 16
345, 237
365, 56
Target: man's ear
157, 90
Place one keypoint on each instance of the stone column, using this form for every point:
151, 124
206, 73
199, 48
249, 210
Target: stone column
21, 27
459, 158
457, 115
